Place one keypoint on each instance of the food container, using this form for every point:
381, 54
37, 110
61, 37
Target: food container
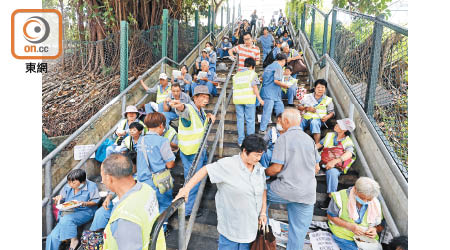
366, 243
68, 205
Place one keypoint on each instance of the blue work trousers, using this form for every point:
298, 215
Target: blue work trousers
169, 117
332, 179
222, 52
149, 109
226, 244
299, 218
345, 244
211, 88
290, 93
266, 158
101, 217
313, 124
66, 228
268, 107
245, 113
187, 162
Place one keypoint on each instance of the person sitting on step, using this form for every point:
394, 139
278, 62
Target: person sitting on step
209, 79
85, 193
355, 211
225, 45
338, 140
175, 94
290, 92
162, 90
319, 109
185, 79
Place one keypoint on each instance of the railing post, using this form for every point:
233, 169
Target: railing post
213, 19
325, 36
175, 40
123, 55
48, 194
196, 28
232, 26
313, 23
296, 21
222, 124
181, 227
333, 33
228, 11
164, 32
209, 18
375, 56
303, 20
221, 17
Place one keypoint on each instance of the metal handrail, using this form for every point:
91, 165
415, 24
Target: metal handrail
165, 216
325, 15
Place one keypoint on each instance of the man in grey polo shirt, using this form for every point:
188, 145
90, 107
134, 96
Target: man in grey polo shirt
241, 194
295, 161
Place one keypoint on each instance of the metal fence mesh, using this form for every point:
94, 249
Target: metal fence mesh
391, 104
352, 51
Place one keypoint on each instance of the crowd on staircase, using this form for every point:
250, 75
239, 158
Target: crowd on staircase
276, 164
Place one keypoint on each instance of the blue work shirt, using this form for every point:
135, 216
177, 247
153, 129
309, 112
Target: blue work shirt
270, 90
87, 193
268, 139
158, 153
275, 52
211, 77
266, 42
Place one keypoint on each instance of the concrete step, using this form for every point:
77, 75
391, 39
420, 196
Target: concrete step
197, 241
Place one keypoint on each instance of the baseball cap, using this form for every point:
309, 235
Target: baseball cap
346, 124
163, 76
201, 89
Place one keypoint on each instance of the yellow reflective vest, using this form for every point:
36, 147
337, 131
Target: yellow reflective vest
341, 200
242, 87
321, 109
190, 138
170, 133
140, 207
328, 142
161, 96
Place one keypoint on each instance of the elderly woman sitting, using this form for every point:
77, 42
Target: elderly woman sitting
341, 141
355, 211
78, 188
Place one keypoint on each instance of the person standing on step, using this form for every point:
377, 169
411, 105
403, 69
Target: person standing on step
162, 90
192, 126
246, 50
175, 94
254, 17
133, 216
295, 161
245, 92
340, 138
319, 109
271, 91
355, 211
241, 196
267, 42
292, 83
155, 159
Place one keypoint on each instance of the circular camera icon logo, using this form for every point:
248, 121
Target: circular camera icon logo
36, 29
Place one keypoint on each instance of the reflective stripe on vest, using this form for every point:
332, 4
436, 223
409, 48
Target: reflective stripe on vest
170, 133
141, 208
190, 138
160, 97
321, 109
341, 200
242, 87
347, 142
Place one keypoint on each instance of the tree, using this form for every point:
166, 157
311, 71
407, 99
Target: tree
372, 7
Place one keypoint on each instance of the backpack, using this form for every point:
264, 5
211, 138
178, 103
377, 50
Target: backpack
269, 58
91, 240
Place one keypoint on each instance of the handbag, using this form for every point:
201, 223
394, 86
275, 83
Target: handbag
162, 180
265, 240
329, 154
91, 240
297, 66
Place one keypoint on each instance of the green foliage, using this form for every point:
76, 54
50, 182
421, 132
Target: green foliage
372, 7
296, 6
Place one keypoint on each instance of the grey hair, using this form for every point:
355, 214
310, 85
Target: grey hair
367, 186
118, 165
206, 62
284, 44
292, 115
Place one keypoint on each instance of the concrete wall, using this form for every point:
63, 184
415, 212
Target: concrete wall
396, 200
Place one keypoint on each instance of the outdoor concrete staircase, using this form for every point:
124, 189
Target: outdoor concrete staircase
204, 234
